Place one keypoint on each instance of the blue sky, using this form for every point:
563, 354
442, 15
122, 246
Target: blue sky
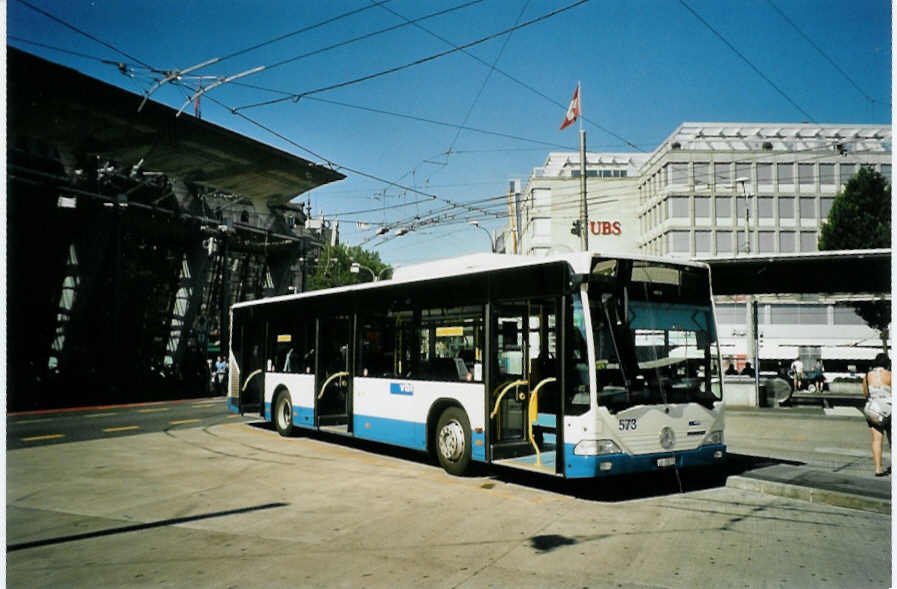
645, 67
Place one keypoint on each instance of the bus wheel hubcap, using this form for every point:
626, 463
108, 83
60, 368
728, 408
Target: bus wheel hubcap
451, 441
284, 414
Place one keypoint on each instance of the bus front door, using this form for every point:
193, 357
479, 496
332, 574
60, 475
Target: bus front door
333, 400
524, 400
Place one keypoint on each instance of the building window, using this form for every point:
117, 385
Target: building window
785, 173
807, 208
799, 314
702, 242
743, 171
731, 314
764, 173
541, 198
679, 242
741, 238
723, 173
808, 241
724, 242
678, 173
805, 174
787, 242
723, 207
702, 173
827, 174
764, 207
847, 171
825, 206
844, 315
702, 207
766, 242
678, 207
786, 207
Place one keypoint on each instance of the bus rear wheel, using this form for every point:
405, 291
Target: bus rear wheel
452, 441
283, 414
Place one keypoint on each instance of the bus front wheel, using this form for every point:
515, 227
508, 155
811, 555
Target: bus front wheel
452, 441
283, 414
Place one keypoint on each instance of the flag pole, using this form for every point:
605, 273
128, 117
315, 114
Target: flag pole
583, 204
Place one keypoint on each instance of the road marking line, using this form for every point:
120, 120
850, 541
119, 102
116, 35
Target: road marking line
182, 421
152, 410
30, 421
121, 429
47, 437
100, 414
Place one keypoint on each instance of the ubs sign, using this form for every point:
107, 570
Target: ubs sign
605, 227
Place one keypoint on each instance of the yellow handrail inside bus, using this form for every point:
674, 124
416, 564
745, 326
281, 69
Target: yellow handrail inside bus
327, 382
507, 387
248, 378
534, 414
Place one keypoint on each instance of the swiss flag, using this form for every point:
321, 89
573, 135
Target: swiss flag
573, 110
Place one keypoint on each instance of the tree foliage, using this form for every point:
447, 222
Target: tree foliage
334, 267
861, 219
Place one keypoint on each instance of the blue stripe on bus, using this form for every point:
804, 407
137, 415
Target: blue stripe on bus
232, 405
304, 416
581, 467
409, 434
268, 412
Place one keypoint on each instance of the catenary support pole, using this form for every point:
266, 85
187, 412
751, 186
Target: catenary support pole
583, 204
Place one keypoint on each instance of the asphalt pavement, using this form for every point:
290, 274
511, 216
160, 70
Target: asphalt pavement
807, 453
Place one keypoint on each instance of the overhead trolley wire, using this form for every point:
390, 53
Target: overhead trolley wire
299, 95
334, 165
374, 4
86, 34
748, 61
223, 80
821, 52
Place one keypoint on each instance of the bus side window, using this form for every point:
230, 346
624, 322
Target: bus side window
376, 353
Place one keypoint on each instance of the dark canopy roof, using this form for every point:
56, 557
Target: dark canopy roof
61, 106
848, 272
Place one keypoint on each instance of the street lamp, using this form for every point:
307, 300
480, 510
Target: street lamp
491, 241
355, 268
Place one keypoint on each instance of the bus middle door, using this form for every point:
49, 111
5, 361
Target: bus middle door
333, 401
509, 385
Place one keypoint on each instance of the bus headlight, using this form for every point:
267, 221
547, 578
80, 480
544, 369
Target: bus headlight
715, 438
596, 447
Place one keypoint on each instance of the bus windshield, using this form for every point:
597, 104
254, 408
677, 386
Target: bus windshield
653, 347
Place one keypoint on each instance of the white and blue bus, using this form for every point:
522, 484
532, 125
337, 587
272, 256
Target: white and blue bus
576, 365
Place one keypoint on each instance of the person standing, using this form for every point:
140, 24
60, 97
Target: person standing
819, 376
797, 373
220, 375
877, 383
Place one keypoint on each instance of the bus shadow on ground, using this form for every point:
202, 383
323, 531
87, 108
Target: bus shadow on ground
619, 488
628, 487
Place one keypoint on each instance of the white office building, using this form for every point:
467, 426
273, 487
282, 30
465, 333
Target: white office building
718, 189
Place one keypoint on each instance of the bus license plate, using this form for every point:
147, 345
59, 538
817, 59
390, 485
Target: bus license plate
668, 461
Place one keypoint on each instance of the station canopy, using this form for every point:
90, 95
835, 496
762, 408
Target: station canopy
61, 106
853, 272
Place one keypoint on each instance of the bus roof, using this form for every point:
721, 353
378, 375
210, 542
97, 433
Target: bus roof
579, 262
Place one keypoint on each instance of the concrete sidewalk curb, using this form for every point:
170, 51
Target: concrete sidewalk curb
813, 495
